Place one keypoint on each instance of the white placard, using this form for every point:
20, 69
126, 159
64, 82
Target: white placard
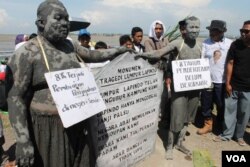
191, 74
75, 93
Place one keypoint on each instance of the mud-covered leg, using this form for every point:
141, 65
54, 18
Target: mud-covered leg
169, 149
179, 146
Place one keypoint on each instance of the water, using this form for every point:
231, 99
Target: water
7, 46
4, 54
7, 42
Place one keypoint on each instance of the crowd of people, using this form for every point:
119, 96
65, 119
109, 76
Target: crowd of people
230, 88
41, 139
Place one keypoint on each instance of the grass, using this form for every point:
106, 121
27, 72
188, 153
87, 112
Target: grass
202, 158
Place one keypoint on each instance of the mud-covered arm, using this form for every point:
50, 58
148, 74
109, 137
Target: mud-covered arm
21, 69
92, 56
157, 54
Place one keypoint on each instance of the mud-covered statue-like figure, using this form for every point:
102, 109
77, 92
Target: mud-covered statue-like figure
183, 104
41, 139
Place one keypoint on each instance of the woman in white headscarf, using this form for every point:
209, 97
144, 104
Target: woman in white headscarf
156, 36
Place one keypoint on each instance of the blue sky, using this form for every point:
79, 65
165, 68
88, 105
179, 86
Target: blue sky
119, 16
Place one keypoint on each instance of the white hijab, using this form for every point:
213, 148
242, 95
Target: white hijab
152, 30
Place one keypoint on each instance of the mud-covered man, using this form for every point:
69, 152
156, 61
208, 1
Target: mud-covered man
41, 139
183, 104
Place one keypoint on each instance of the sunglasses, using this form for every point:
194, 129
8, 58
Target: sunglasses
245, 31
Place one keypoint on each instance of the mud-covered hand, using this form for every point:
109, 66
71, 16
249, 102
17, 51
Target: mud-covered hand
24, 154
124, 49
144, 56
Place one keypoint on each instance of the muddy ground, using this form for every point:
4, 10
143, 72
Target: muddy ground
156, 159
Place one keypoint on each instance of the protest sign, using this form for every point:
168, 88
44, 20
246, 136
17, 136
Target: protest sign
75, 94
126, 131
191, 74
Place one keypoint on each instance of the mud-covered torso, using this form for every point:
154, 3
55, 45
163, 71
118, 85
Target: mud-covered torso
62, 59
187, 52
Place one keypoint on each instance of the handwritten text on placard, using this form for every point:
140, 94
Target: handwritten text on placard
75, 93
191, 74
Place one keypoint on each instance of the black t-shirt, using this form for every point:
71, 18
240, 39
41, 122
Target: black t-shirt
240, 54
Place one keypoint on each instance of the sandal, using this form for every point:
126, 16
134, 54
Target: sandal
184, 150
241, 142
219, 139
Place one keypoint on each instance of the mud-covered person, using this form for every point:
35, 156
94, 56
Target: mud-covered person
43, 142
183, 104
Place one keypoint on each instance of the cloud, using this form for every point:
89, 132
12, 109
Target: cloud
152, 4
3, 17
169, 11
233, 20
146, 4
191, 3
95, 17
111, 16
25, 25
107, 10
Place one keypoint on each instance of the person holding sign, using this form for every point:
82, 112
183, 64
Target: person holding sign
41, 139
215, 49
183, 104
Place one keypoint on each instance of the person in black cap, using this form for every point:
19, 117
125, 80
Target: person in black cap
214, 48
237, 102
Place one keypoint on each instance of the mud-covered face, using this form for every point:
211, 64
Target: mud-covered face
57, 24
192, 29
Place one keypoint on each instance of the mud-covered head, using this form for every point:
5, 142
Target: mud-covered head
52, 20
192, 28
